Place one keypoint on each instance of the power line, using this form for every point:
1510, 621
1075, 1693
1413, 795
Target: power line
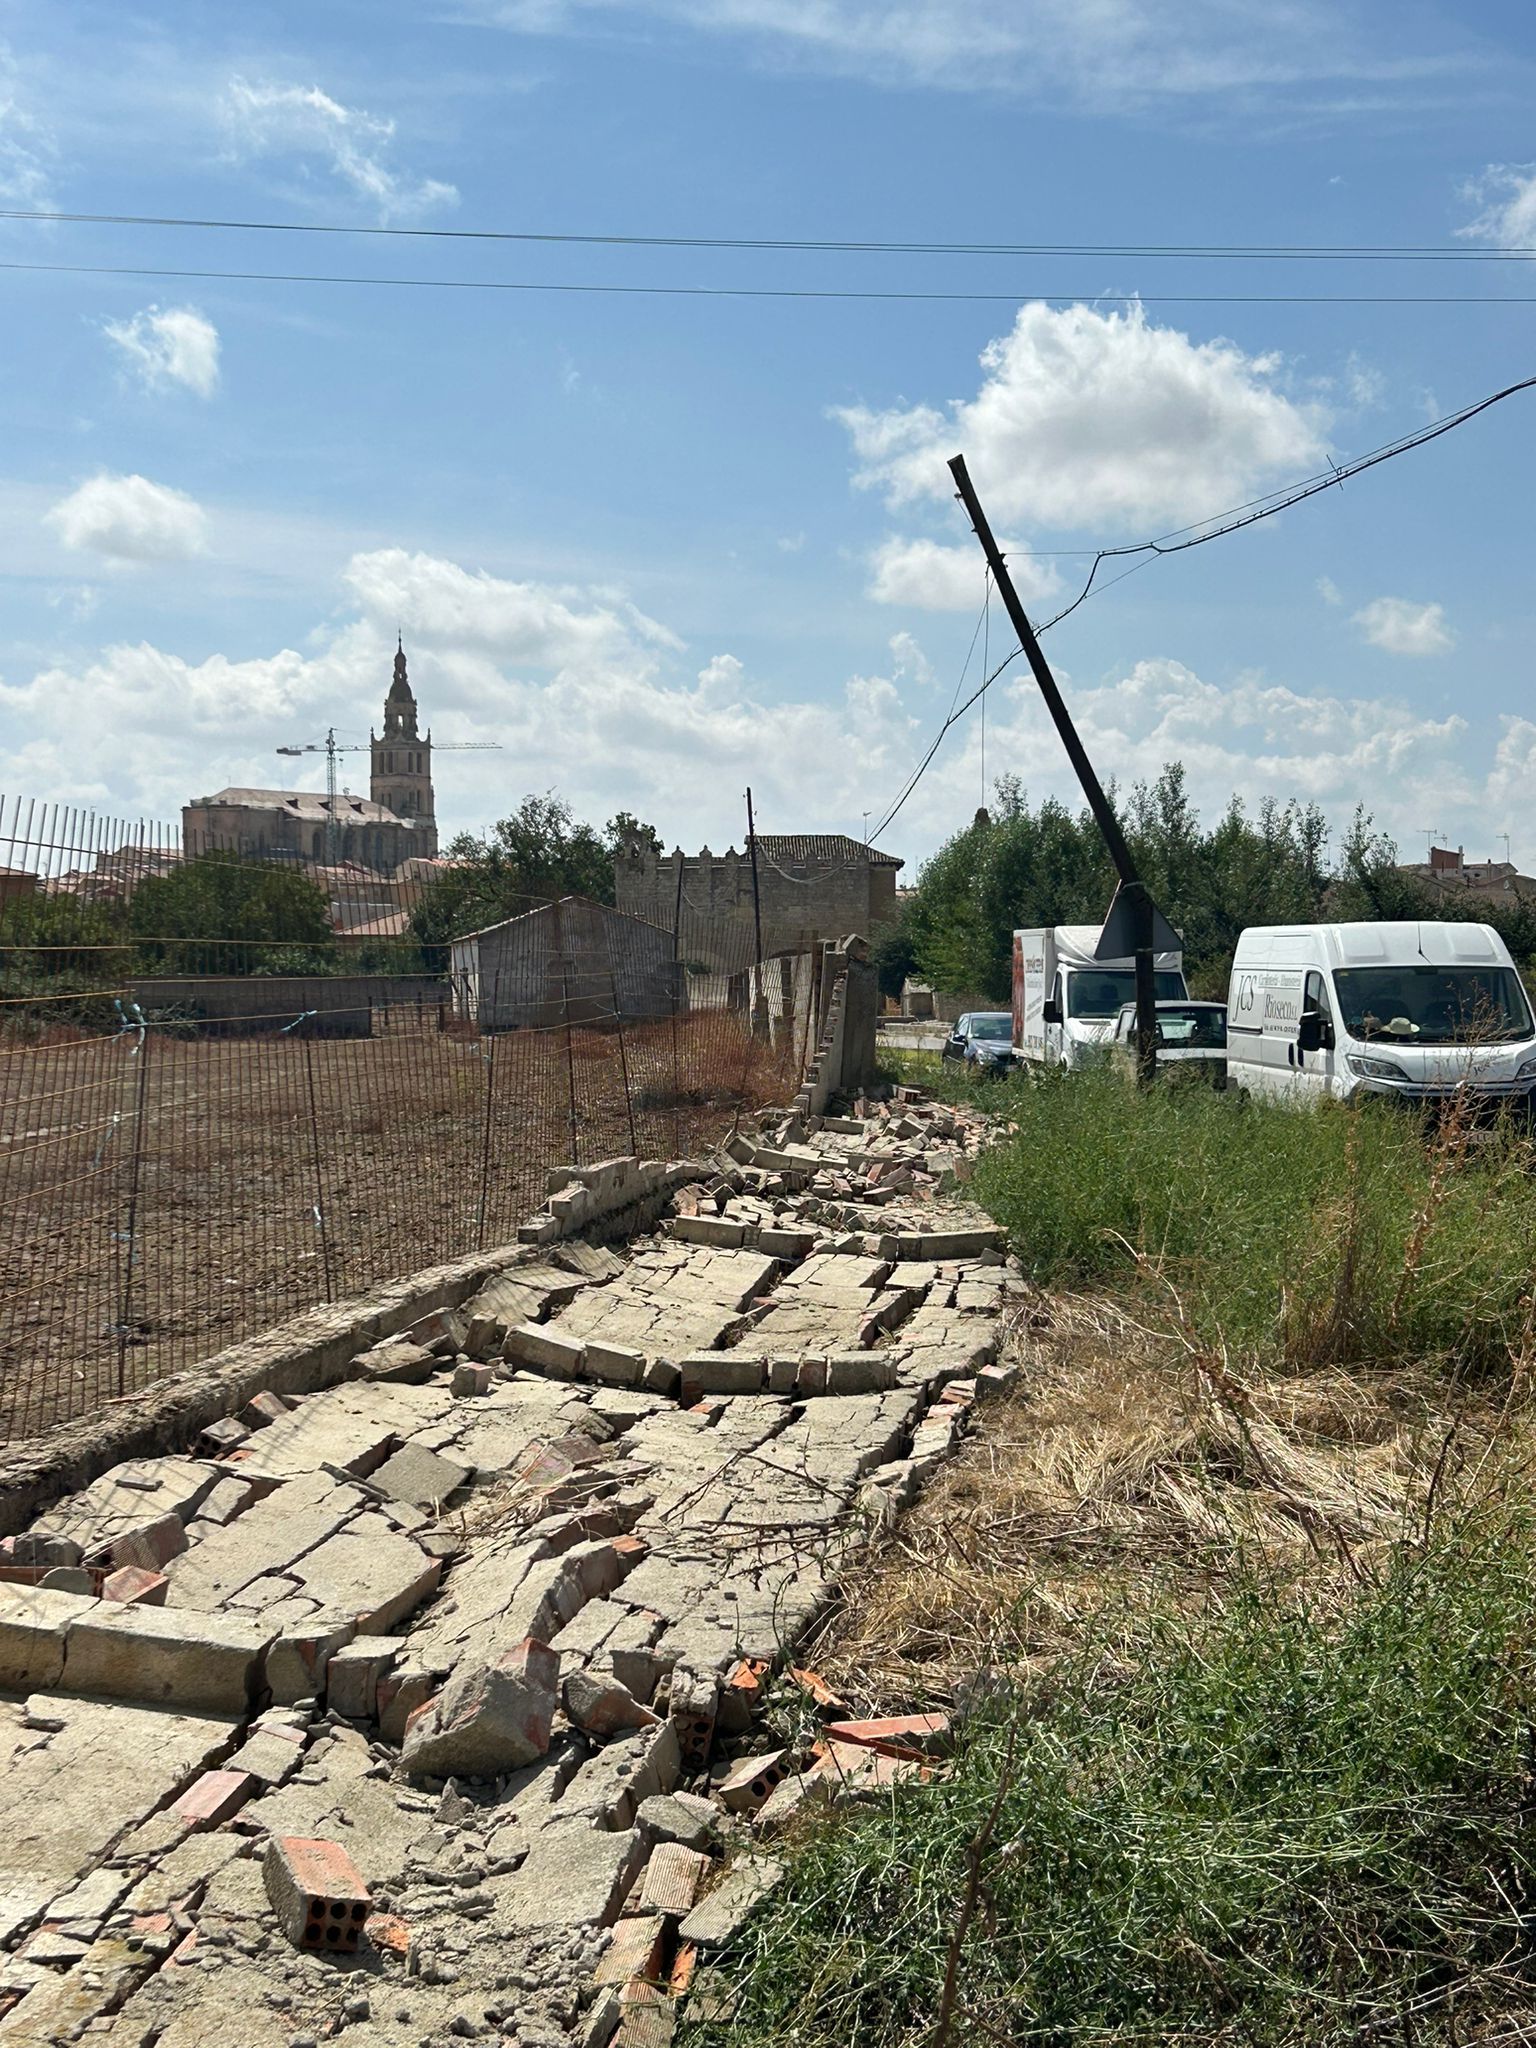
734, 291
1216, 528
1286, 252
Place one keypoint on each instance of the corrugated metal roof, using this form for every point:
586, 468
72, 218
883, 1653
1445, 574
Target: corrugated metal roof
834, 848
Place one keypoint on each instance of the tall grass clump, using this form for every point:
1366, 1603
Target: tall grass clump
1332, 1234
1277, 1821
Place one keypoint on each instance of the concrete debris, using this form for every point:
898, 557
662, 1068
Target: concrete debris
459, 1660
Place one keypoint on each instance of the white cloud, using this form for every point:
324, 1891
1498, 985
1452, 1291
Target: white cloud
1098, 54
1329, 591
131, 519
790, 543
1398, 626
26, 147
354, 146
589, 697
1088, 419
170, 345
1507, 195
930, 576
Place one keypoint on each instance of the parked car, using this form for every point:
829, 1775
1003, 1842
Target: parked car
1190, 1035
983, 1039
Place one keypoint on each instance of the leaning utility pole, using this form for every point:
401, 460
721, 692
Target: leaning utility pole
1133, 920
757, 926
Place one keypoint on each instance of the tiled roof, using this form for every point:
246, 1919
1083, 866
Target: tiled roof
823, 849
304, 803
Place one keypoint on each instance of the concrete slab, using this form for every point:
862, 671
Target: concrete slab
207, 1662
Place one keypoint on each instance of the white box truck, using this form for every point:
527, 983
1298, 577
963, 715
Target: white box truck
1414, 1010
1065, 1001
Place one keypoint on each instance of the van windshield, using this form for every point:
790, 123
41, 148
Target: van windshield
1103, 992
1434, 1005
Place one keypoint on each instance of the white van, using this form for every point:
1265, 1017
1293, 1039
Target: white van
1414, 1010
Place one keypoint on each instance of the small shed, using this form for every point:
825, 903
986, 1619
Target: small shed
572, 961
916, 999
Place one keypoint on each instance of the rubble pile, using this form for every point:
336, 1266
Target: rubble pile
428, 1707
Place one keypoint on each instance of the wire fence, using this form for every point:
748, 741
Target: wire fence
188, 1157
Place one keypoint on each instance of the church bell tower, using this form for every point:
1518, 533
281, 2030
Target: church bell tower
402, 761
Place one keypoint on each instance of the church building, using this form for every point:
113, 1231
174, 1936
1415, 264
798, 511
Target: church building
396, 823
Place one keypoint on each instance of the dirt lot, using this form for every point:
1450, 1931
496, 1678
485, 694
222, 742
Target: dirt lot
252, 1177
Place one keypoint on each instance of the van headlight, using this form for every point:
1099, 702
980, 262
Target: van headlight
1526, 1071
1382, 1070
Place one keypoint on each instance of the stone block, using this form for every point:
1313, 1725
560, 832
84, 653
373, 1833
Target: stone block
369, 1573
720, 1372
678, 1817
44, 1548
300, 1657
861, 1372
153, 1654
421, 1477
574, 1877
545, 1350
230, 1497
616, 1365
269, 1755
353, 1673
469, 1380
132, 1583
661, 1376
317, 1893
722, 1230
34, 1625
409, 1365
600, 1705
489, 1718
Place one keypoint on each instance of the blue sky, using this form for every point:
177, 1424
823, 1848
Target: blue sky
663, 546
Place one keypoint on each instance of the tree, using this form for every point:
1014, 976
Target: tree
221, 913
538, 853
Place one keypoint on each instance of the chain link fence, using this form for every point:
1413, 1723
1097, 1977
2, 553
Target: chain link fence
202, 1134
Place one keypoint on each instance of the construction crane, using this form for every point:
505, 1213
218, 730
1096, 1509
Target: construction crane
330, 746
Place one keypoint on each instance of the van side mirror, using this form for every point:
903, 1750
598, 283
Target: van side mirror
1309, 1031
1051, 1013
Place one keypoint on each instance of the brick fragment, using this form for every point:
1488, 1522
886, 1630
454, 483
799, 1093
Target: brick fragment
634, 1950
223, 1435
152, 1546
132, 1583
896, 1734
263, 1408
317, 1893
745, 1788
671, 1879
213, 1796
387, 1932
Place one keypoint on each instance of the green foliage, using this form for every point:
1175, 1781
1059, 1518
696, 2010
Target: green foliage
55, 944
539, 852
224, 914
1048, 866
1336, 1232
1265, 1823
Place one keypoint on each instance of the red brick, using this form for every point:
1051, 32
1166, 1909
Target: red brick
213, 1797
317, 1892
896, 1734
813, 1683
135, 1586
153, 1546
631, 1550
633, 1951
684, 1963
749, 1784
387, 1931
671, 1880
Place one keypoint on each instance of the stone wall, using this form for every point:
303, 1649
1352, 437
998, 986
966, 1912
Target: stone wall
799, 911
233, 1004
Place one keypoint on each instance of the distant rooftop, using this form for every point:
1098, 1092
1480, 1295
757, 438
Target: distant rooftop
302, 803
823, 848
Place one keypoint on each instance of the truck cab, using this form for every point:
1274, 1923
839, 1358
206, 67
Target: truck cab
1065, 1001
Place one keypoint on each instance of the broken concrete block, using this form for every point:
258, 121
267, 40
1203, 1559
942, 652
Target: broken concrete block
489, 1718
469, 1380
693, 1707
317, 1893
720, 1372
229, 1498
441, 1330
678, 1817
151, 1654
131, 1583
861, 1372
69, 1578
599, 1704
41, 1547
788, 1798
423, 1478
402, 1692
353, 1673
723, 1230
270, 1755
616, 1365
574, 1876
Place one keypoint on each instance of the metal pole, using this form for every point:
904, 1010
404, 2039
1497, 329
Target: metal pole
1134, 890
757, 917
314, 1150
679, 977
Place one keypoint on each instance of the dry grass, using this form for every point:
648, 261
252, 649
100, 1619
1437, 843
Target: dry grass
1132, 1470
